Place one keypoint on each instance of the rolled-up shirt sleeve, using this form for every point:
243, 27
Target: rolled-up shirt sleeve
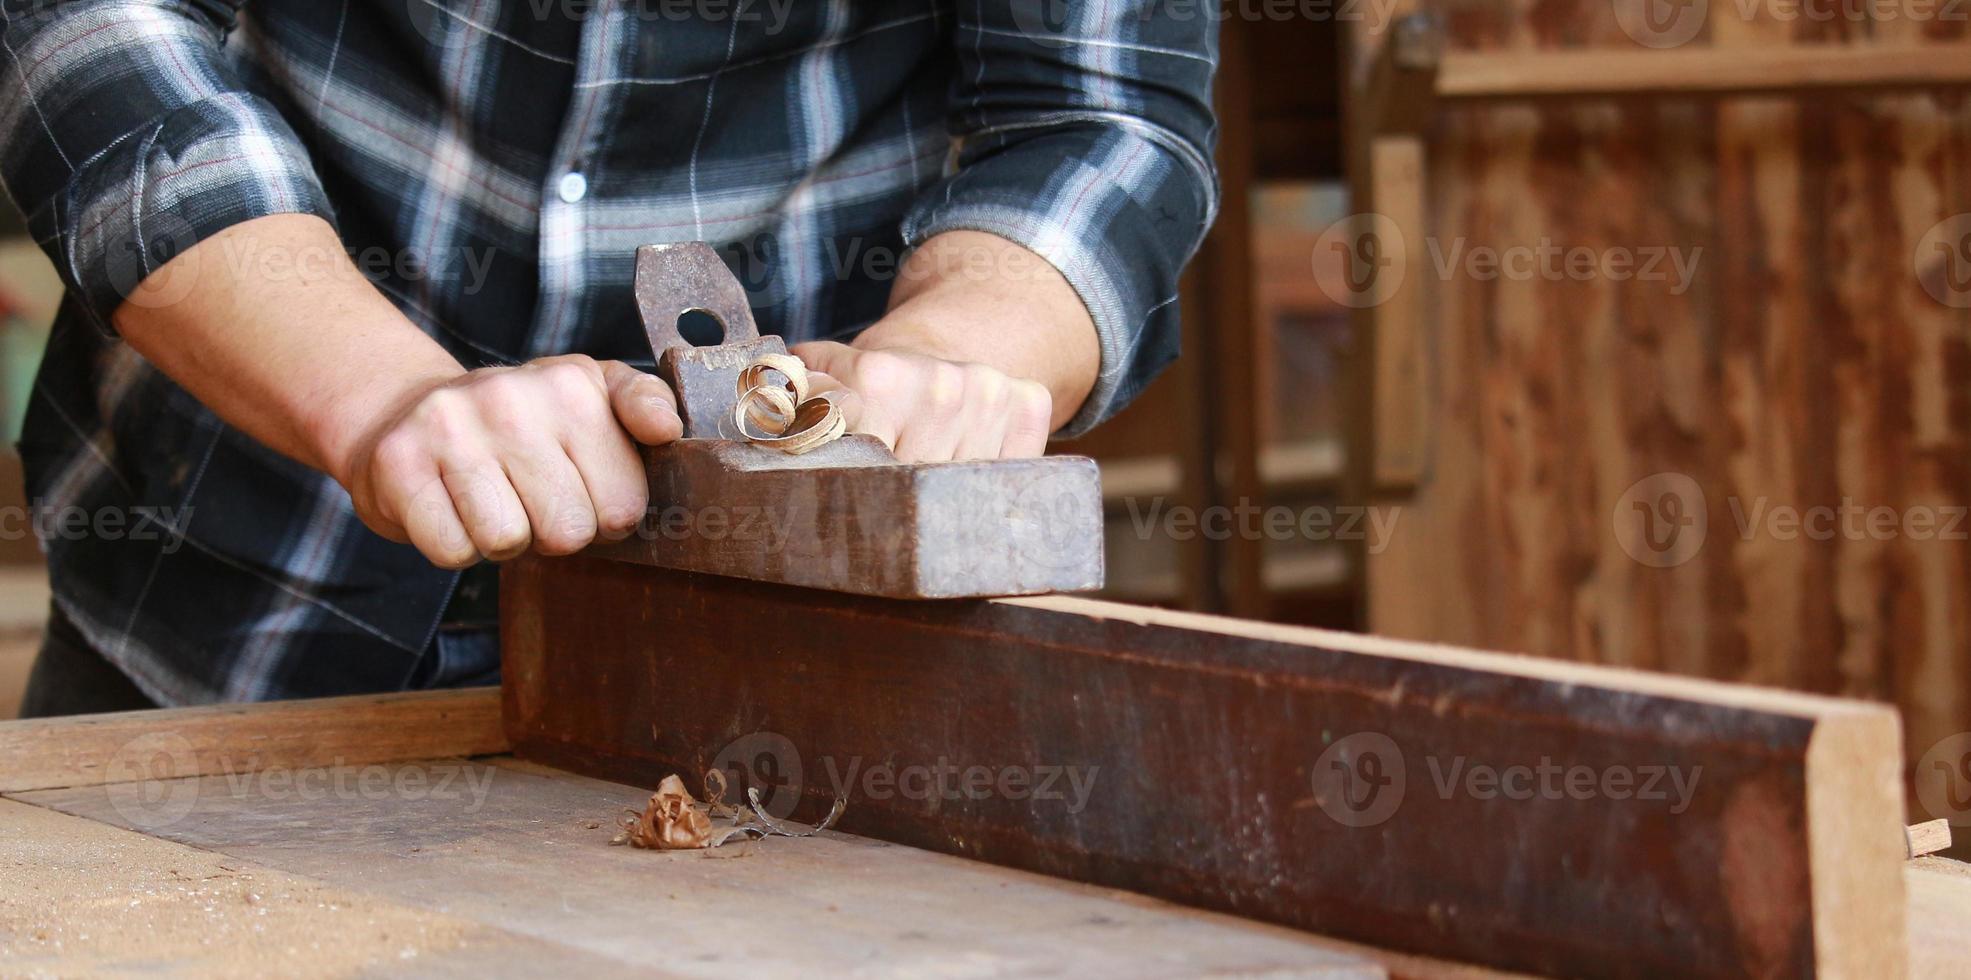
126, 137
1085, 134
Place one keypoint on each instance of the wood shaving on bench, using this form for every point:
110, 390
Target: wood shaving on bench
673, 820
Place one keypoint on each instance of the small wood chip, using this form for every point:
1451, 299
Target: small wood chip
1927, 837
671, 821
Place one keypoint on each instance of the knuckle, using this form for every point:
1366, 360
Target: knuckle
987, 384
877, 372
445, 409
510, 537
946, 389
573, 376
621, 513
498, 383
569, 528
509, 415
396, 456
1033, 406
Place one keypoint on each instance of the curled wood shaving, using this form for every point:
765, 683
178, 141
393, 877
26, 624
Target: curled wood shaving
673, 820
791, 422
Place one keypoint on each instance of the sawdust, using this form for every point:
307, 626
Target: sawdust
79, 898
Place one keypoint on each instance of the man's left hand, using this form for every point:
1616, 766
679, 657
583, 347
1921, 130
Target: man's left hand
928, 409
986, 350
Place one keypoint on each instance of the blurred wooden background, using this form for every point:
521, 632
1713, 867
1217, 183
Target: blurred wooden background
1536, 440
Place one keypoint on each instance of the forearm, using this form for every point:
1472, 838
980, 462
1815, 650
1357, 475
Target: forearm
972, 297
271, 326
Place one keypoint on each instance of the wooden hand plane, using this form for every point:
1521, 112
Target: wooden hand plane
847, 516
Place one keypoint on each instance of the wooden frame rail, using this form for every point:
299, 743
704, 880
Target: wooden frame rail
1698, 71
90, 750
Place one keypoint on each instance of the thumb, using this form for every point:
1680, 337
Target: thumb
643, 404
827, 356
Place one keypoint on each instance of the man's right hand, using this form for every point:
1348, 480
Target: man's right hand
500, 460
273, 328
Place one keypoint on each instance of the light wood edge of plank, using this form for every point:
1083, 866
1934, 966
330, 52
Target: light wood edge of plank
1855, 859
1927, 837
88, 750
1590, 72
1618, 679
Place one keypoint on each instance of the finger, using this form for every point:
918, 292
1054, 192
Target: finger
643, 403
489, 509
1029, 420
433, 525
552, 492
937, 413
982, 419
611, 471
859, 413
827, 357
981, 435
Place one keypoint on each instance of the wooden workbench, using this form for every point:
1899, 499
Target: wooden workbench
356, 837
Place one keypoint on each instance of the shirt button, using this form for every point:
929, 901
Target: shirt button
573, 186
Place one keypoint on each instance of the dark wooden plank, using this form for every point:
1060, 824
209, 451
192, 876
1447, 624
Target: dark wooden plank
1315, 779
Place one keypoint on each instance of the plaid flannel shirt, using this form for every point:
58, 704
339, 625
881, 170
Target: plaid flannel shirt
491, 165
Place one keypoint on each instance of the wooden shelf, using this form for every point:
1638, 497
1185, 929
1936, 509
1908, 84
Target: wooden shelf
1698, 70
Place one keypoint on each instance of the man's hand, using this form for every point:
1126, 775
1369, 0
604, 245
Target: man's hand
985, 351
501, 460
927, 408
306, 356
